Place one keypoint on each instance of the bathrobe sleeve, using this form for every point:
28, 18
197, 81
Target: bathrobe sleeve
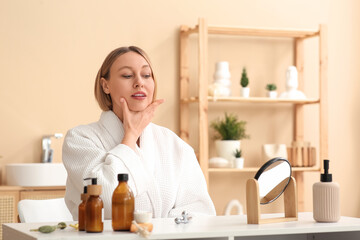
192, 194
84, 155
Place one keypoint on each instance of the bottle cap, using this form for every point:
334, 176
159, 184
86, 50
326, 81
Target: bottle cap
326, 176
123, 177
94, 189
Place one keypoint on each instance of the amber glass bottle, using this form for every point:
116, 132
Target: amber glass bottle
82, 211
94, 209
123, 205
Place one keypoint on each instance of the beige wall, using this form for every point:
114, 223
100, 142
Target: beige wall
50, 52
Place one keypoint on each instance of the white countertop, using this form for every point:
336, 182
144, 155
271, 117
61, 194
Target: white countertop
226, 227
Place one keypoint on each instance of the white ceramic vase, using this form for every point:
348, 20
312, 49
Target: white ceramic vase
226, 149
245, 92
222, 77
218, 90
272, 94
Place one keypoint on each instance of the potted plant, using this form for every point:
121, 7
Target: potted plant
272, 93
244, 82
229, 132
239, 160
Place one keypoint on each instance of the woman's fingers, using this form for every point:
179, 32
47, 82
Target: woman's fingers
155, 104
150, 110
125, 108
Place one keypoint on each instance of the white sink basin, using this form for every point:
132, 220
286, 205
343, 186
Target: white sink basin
35, 174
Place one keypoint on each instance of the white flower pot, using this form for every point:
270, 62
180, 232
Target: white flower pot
245, 92
272, 94
226, 149
239, 163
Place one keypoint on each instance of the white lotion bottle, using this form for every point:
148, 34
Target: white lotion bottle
326, 198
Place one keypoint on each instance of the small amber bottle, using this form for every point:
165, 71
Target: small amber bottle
82, 209
123, 205
94, 209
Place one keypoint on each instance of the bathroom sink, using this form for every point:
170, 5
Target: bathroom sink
35, 174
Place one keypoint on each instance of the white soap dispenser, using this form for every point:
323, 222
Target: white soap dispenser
326, 198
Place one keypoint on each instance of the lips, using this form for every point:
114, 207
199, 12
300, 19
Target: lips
139, 95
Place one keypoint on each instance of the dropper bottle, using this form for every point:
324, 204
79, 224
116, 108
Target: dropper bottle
82, 209
94, 208
326, 197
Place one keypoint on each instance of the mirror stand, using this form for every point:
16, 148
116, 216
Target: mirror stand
253, 203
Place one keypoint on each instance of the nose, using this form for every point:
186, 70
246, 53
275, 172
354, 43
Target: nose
139, 82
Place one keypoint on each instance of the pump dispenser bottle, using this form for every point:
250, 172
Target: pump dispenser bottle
94, 208
82, 209
326, 198
123, 205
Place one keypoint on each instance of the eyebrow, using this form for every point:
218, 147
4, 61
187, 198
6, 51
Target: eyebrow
144, 66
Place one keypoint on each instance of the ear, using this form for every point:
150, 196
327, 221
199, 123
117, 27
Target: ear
105, 85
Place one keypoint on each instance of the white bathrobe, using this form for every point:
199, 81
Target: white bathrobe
164, 174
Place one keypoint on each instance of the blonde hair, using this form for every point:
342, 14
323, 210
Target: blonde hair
103, 99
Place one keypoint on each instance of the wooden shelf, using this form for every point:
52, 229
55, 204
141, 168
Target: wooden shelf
254, 169
252, 100
257, 32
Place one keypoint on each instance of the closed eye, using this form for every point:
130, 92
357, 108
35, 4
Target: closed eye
147, 76
127, 76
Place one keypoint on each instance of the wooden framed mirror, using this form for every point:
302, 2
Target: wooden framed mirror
271, 181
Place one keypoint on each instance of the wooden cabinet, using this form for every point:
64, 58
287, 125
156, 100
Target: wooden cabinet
202, 99
42, 194
11, 195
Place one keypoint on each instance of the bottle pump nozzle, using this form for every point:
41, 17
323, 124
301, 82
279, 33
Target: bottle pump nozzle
326, 176
93, 180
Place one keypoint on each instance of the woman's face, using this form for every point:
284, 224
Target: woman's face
130, 78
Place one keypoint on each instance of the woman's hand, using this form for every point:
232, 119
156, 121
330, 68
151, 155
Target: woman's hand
135, 122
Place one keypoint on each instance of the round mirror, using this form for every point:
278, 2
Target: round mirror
273, 178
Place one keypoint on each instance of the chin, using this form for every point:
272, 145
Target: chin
138, 108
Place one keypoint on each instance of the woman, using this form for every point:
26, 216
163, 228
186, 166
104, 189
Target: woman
163, 171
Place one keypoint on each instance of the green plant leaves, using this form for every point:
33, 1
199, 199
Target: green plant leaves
271, 87
244, 81
230, 128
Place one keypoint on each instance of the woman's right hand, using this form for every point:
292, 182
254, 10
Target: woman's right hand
135, 122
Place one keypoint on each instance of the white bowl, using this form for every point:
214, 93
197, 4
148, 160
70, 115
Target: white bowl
142, 217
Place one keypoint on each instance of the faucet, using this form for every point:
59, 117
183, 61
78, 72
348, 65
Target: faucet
47, 152
184, 218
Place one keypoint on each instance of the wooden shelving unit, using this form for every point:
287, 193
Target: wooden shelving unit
250, 100
203, 100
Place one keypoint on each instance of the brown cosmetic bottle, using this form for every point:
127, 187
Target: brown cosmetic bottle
82, 210
94, 209
123, 205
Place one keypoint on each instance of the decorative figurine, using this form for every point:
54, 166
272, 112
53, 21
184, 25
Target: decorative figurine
291, 85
